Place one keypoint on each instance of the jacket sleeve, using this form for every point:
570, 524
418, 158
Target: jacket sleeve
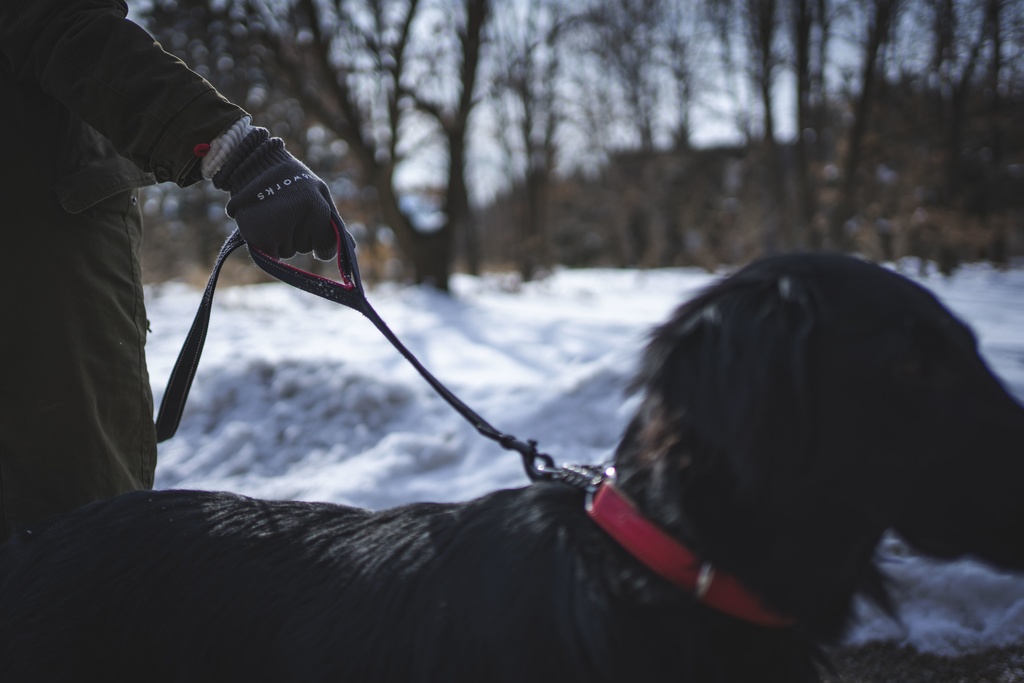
111, 73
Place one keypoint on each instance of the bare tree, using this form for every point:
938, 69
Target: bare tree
810, 28
761, 20
451, 116
960, 32
681, 50
393, 79
526, 60
996, 13
361, 72
879, 17
726, 23
623, 36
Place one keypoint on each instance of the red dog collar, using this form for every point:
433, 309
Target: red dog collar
673, 561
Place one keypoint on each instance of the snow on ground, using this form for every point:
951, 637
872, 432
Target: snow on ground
300, 398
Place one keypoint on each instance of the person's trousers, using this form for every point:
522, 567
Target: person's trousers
76, 409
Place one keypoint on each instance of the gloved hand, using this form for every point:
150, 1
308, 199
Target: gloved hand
281, 207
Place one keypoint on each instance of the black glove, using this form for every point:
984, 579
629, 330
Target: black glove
280, 206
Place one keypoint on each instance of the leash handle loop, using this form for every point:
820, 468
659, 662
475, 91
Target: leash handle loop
348, 292
180, 382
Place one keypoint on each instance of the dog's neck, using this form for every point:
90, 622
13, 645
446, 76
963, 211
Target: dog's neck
668, 557
775, 553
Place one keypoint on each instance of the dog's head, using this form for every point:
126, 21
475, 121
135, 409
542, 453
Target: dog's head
813, 401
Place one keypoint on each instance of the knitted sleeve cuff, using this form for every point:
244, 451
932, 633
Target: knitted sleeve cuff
224, 144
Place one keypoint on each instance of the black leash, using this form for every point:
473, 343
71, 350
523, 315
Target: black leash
348, 292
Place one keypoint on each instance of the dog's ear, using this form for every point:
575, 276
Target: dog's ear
726, 377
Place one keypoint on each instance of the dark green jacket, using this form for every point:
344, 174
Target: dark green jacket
89, 108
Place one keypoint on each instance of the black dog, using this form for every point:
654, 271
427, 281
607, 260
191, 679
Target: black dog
790, 415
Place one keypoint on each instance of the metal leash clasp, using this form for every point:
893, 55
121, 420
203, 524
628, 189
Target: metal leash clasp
598, 477
537, 465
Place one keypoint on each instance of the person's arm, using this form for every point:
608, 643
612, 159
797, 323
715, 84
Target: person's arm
112, 74
165, 118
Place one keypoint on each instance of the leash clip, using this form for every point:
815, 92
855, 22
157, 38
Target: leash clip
608, 474
537, 465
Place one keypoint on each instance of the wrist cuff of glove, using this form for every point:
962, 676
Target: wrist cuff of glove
224, 144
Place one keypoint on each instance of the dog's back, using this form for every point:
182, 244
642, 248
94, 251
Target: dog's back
197, 586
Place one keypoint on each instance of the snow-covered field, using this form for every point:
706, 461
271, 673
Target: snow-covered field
300, 398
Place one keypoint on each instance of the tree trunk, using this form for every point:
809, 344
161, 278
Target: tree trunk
455, 127
534, 231
879, 27
762, 15
803, 20
460, 218
432, 259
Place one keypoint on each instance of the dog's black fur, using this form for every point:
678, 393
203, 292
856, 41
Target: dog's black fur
789, 415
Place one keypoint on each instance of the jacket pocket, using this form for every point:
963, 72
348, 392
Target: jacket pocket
94, 171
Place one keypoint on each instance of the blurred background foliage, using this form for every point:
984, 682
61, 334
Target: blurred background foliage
472, 135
